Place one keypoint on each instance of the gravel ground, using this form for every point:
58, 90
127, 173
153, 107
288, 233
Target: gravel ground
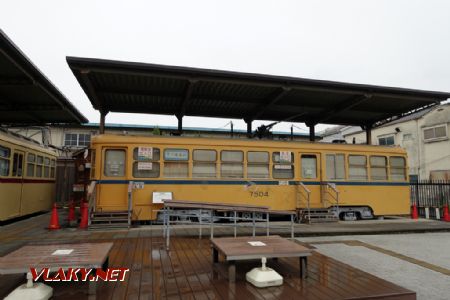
433, 248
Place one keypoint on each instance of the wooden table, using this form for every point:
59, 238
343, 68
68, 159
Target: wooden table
83, 255
234, 249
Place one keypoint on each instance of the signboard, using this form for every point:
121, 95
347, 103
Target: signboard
285, 156
78, 188
145, 166
145, 153
158, 197
176, 154
283, 167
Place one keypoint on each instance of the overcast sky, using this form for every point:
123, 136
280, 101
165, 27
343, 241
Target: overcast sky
391, 43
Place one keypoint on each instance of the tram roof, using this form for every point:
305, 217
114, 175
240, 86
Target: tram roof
26, 95
116, 139
119, 86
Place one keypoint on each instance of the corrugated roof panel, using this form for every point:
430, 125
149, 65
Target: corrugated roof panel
210, 93
27, 96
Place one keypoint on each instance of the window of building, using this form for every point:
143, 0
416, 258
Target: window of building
283, 165
5, 153
77, 139
146, 162
39, 163
309, 166
176, 163
335, 164
204, 165
407, 136
31, 162
258, 164
115, 163
357, 167
386, 140
397, 167
232, 164
435, 133
378, 167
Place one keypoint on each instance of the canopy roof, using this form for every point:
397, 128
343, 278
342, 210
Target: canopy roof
117, 86
26, 95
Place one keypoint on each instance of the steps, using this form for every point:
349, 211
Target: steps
110, 219
317, 215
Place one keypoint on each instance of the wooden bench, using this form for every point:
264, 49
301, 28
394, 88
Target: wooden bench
239, 248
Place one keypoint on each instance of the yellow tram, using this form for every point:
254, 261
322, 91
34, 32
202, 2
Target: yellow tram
27, 177
370, 180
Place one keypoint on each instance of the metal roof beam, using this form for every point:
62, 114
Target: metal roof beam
277, 97
341, 107
15, 81
84, 74
27, 107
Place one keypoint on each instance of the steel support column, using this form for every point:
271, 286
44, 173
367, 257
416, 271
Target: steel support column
180, 124
249, 128
312, 133
102, 121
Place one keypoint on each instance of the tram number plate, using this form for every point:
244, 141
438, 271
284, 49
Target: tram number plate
259, 194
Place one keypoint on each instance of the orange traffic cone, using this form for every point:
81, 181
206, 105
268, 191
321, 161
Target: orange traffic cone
446, 214
414, 212
71, 217
54, 222
84, 216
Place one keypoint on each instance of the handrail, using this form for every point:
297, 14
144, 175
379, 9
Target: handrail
336, 191
130, 201
308, 193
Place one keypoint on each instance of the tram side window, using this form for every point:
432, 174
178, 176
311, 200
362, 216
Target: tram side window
176, 163
204, 165
258, 164
357, 167
115, 163
46, 167
52, 168
309, 166
146, 162
397, 167
5, 153
283, 165
232, 164
31, 162
17, 165
378, 168
335, 164
39, 163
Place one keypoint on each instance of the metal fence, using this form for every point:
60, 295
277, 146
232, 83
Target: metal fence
430, 196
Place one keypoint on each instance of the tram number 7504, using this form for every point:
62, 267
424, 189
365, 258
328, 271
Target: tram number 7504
259, 194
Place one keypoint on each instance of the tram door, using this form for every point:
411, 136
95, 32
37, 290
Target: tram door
15, 196
114, 186
310, 176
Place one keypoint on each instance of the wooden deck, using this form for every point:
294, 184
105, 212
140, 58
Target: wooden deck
186, 271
